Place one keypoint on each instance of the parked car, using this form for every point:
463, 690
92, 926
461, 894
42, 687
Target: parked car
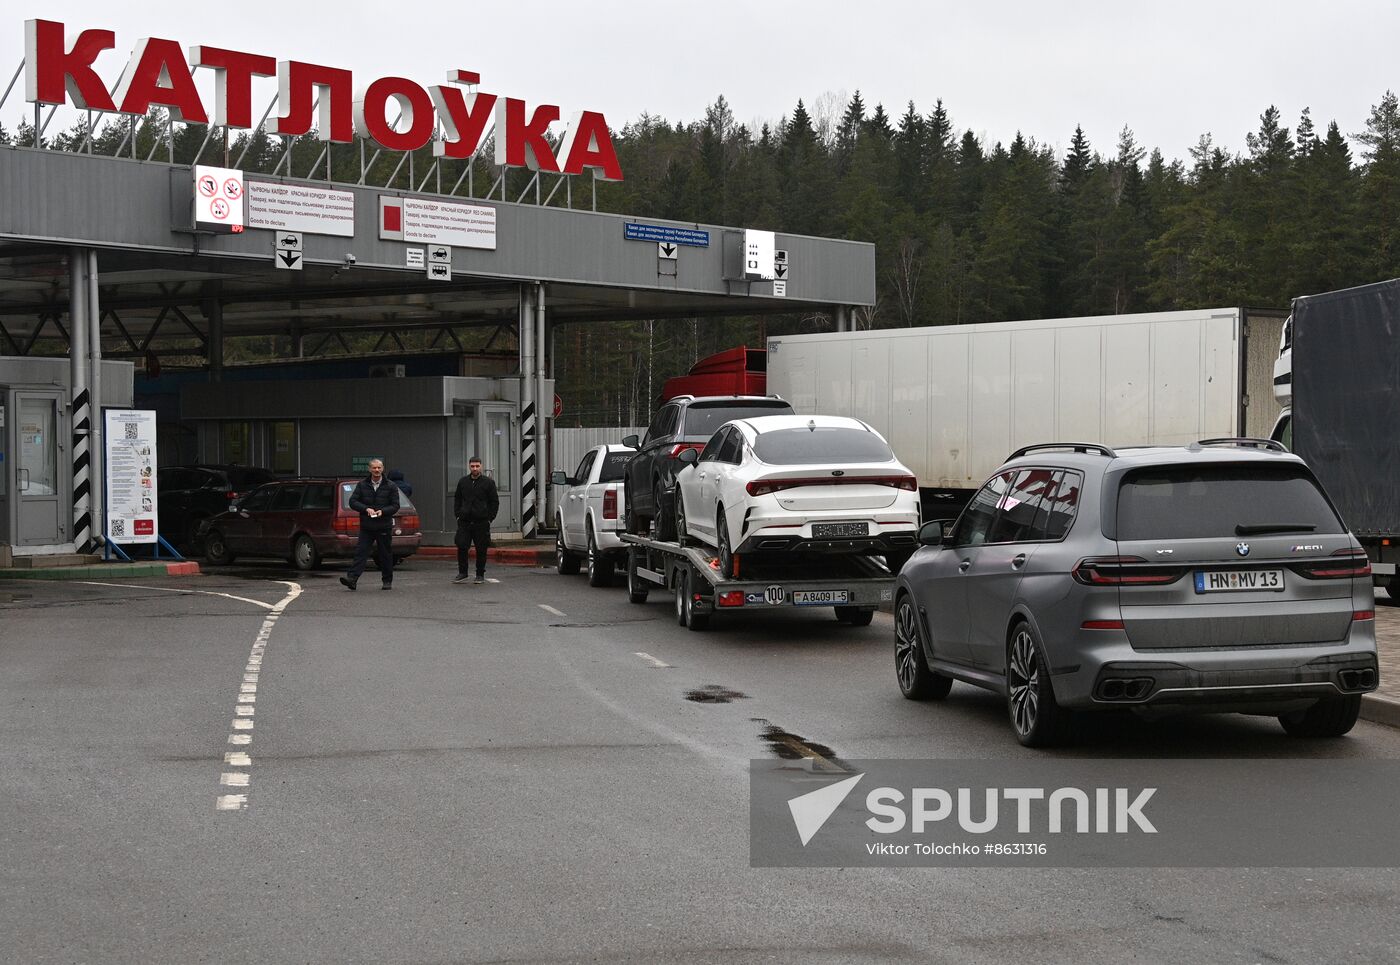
188, 495
685, 422
303, 521
1215, 577
591, 507
798, 484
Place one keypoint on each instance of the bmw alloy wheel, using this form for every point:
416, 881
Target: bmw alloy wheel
1023, 682
906, 636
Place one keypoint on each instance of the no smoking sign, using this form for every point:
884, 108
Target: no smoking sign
218, 199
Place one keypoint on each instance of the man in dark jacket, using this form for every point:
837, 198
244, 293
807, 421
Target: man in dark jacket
376, 499
475, 504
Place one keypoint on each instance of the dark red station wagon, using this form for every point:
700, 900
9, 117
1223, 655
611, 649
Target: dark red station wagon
303, 521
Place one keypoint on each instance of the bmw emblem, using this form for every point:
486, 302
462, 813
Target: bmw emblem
1242, 549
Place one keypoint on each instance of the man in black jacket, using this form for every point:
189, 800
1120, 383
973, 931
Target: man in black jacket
376, 499
475, 504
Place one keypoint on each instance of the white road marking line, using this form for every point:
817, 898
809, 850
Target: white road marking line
247, 697
167, 589
549, 609
652, 660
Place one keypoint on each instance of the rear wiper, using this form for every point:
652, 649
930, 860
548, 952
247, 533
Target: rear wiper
1258, 529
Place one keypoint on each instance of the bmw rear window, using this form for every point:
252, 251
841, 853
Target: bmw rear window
1203, 502
704, 420
824, 444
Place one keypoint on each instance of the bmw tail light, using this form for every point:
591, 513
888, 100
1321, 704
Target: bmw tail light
763, 487
1124, 571
1345, 565
610, 504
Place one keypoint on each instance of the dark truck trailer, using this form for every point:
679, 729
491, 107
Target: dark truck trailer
1343, 411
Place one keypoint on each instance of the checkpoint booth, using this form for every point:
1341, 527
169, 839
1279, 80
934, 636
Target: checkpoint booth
39, 467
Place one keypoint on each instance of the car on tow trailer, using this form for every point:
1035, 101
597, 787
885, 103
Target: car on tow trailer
1214, 577
303, 521
591, 505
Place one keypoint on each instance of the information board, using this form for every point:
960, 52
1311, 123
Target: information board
130, 443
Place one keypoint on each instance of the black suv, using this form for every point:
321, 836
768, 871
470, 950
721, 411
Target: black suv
685, 422
191, 494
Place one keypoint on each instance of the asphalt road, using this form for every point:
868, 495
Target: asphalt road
459, 774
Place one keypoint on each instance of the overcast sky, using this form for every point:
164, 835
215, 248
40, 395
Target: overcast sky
1169, 71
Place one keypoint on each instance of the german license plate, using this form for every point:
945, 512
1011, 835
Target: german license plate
830, 530
1234, 581
820, 597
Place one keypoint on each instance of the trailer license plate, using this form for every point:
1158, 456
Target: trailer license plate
820, 597
829, 530
1228, 581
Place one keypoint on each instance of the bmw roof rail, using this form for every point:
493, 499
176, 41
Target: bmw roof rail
1076, 446
1242, 441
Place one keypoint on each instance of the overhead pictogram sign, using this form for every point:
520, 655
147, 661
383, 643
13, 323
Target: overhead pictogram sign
218, 199
286, 253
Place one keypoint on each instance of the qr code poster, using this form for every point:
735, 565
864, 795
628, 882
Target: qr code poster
132, 490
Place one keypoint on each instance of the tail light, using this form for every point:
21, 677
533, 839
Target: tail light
1124, 571
233, 495
1361, 616
610, 504
1101, 625
762, 487
410, 523
681, 447
346, 524
1352, 563
731, 598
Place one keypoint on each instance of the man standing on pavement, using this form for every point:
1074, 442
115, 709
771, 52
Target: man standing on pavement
376, 499
475, 504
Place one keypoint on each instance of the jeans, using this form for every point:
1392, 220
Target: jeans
383, 545
473, 533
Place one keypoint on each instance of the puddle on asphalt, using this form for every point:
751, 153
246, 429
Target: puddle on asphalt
792, 747
714, 694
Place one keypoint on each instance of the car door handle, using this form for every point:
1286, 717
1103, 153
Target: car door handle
1018, 561
962, 567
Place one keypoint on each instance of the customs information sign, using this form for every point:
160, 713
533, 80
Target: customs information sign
130, 442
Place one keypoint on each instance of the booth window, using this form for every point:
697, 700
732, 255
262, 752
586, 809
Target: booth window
284, 448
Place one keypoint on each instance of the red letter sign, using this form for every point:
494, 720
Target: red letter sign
157, 74
49, 70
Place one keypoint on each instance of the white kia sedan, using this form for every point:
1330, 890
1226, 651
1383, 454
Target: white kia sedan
798, 484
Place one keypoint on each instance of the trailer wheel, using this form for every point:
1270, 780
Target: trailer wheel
694, 621
854, 615
636, 587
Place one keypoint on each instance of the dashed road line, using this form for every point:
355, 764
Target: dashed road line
549, 609
492, 579
658, 664
245, 708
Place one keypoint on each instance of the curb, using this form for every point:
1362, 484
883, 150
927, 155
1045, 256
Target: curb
104, 571
1380, 710
501, 555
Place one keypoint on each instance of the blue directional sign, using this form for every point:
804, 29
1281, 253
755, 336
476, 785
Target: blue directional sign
665, 234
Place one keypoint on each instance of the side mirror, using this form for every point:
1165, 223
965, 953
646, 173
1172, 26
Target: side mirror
559, 478
688, 457
632, 442
936, 532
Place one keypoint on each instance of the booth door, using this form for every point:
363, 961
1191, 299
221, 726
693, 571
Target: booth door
497, 427
39, 477
7, 464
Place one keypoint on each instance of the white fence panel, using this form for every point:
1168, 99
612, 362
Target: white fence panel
570, 445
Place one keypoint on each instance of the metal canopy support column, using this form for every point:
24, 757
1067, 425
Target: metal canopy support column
529, 521
81, 420
94, 312
216, 340
544, 404
843, 318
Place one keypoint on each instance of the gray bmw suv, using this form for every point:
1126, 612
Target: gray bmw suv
1215, 577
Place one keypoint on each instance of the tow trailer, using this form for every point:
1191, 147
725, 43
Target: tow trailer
854, 586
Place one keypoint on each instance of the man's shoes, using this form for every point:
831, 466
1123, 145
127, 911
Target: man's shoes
479, 579
461, 578
346, 582
387, 586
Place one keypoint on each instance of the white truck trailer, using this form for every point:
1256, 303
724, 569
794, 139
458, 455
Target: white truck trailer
954, 400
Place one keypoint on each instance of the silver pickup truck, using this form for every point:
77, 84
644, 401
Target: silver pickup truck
591, 510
